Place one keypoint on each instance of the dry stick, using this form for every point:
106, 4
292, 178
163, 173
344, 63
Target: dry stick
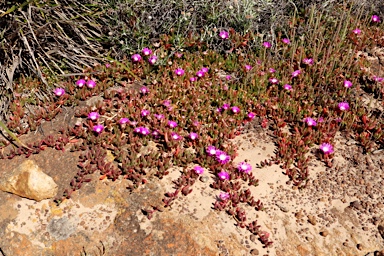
2, 125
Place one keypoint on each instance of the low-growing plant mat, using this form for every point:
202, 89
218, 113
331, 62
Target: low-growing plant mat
289, 130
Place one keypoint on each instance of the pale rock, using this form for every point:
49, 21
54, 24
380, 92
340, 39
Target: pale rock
29, 181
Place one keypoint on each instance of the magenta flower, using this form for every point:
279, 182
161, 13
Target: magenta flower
192, 79
211, 150
172, 124
224, 196
167, 103
244, 167
223, 175
175, 136
222, 157
144, 112
193, 136
156, 134
200, 73
225, 106
251, 115
228, 77
235, 109
343, 106
93, 116
310, 121
326, 148
198, 169
179, 55
205, 70
271, 70
98, 128
248, 67
224, 34
375, 18
308, 61
80, 83
136, 57
267, 44
159, 116
357, 31
144, 90
286, 40
296, 73
179, 71
273, 80
287, 87
142, 130
59, 91
146, 51
124, 120
347, 84
91, 84
107, 65
152, 59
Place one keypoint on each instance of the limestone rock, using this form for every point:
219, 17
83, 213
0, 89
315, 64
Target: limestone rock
28, 180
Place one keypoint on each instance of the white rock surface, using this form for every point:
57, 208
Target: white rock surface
29, 181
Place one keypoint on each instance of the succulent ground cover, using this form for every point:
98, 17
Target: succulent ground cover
189, 100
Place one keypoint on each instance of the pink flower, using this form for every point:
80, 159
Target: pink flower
159, 116
326, 148
172, 124
286, 40
224, 196
267, 44
343, 106
107, 65
198, 169
144, 90
347, 84
211, 150
192, 79
193, 136
80, 82
244, 167
308, 61
93, 116
375, 18
152, 59
357, 31
179, 71
175, 136
91, 84
59, 91
144, 112
225, 106
271, 70
235, 109
310, 121
167, 103
251, 115
156, 134
179, 55
273, 80
136, 57
222, 157
287, 87
200, 73
142, 130
98, 128
146, 51
205, 70
124, 120
248, 67
228, 77
223, 175
296, 73
224, 34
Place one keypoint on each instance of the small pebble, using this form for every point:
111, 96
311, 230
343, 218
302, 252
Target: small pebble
254, 252
324, 233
